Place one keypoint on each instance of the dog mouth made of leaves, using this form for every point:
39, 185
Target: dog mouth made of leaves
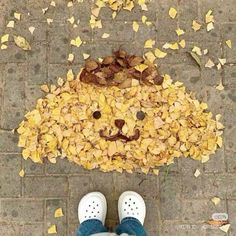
119, 114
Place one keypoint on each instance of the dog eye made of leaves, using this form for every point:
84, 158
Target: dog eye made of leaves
140, 115
97, 115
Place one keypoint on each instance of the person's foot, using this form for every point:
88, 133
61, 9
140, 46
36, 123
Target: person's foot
131, 204
93, 206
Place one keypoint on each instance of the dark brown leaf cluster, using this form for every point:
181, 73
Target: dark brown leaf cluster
119, 70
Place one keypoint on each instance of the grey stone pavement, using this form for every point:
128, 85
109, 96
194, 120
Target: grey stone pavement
177, 202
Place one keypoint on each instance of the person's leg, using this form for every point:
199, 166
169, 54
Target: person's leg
132, 212
92, 212
90, 227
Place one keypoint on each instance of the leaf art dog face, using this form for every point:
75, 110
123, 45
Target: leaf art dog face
111, 128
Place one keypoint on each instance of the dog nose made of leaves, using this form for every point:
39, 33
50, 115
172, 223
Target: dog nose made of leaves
119, 123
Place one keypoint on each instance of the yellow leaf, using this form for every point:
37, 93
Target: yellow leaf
219, 141
60, 81
114, 14
31, 29
210, 64
156, 171
209, 17
112, 149
100, 3
70, 75
105, 35
159, 53
17, 15
22, 173
149, 43
76, 42
182, 43
3, 47
141, 67
71, 20
197, 173
222, 61
173, 46
5, 38
179, 32
22, 43
49, 20
44, 10
228, 43
225, 228
210, 26
11, 24
96, 11
58, 213
135, 26
25, 153
150, 56
52, 229
197, 50
172, 12
71, 57
86, 56
70, 4
205, 51
44, 88
196, 26
129, 6
144, 19
53, 3
220, 87
215, 200
205, 159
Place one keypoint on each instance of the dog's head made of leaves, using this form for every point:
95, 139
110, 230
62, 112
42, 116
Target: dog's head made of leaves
143, 126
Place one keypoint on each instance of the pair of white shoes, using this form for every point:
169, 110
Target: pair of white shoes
94, 206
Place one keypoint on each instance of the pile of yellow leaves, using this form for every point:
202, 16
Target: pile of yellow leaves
174, 124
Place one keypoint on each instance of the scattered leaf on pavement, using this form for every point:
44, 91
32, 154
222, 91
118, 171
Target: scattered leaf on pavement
228, 43
182, 43
17, 15
159, 53
21, 42
220, 87
196, 26
225, 228
22, 173
11, 24
196, 58
76, 42
135, 26
58, 213
149, 43
52, 229
172, 12
209, 64
215, 200
197, 173
31, 29
105, 35
5, 38
179, 32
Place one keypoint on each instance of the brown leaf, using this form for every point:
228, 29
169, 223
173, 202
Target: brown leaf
120, 53
158, 80
91, 65
134, 61
108, 60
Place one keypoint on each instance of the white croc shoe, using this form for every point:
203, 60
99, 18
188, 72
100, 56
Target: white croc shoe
131, 204
92, 206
